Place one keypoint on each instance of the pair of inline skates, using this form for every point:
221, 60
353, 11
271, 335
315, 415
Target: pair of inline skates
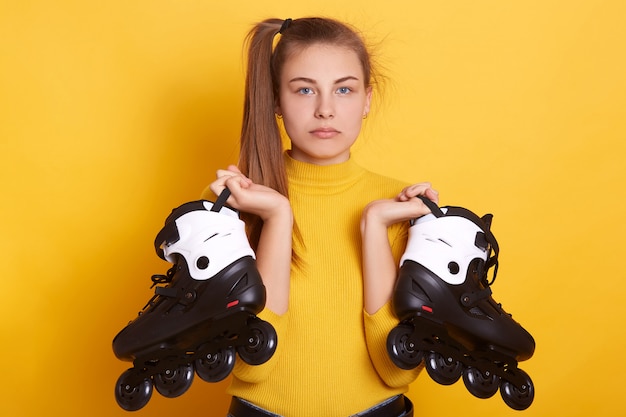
203, 311
448, 318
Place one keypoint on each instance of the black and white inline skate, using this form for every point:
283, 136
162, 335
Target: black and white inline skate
203, 311
448, 318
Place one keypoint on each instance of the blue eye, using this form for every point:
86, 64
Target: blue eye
305, 90
344, 90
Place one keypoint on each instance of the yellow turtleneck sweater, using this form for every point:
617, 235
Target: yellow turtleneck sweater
331, 358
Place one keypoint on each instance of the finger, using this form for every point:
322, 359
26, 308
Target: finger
234, 173
411, 191
417, 189
239, 197
223, 173
223, 176
429, 193
218, 185
424, 188
234, 168
432, 195
227, 173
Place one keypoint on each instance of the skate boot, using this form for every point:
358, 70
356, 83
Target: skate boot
448, 317
203, 310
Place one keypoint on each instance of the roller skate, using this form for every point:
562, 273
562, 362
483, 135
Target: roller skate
448, 318
203, 310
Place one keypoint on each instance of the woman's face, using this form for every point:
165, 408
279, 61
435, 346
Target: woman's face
323, 99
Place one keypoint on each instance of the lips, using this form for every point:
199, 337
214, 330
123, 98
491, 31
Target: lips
325, 132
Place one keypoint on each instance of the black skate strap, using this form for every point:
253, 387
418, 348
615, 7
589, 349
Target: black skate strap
434, 208
221, 200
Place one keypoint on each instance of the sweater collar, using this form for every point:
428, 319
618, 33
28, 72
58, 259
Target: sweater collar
336, 175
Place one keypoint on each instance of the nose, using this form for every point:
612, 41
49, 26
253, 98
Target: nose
325, 108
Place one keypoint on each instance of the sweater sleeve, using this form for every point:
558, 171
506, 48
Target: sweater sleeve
379, 324
258, 373
377, 327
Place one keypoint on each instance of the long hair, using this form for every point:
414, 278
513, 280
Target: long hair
261, 151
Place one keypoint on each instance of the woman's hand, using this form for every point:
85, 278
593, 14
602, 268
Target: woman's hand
249, 197
405, 206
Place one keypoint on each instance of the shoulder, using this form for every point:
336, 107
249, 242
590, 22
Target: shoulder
384, 179
385, 186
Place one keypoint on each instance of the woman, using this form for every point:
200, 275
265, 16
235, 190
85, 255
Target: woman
327, 233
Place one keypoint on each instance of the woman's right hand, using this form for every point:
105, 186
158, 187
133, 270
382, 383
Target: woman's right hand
249, 197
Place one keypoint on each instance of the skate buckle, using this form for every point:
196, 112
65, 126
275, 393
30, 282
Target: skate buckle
470, 299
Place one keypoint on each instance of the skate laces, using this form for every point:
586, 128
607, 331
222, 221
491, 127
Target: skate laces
163, 279
160, 290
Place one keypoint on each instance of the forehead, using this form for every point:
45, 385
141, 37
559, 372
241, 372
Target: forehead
322, 62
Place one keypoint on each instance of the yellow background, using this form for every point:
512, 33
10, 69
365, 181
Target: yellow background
112, 113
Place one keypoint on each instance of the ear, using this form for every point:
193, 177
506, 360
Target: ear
368, 100
277, 109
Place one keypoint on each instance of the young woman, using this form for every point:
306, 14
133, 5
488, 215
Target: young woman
327, 233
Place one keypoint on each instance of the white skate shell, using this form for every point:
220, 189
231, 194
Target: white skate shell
445, 245
209, 241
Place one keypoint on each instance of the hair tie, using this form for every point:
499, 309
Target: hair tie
285, 25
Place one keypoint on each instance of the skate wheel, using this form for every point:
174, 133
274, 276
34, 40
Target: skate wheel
174, 382
479, 384
132, 397
401, 349
445, 371
518, 398
215, 366
261, 342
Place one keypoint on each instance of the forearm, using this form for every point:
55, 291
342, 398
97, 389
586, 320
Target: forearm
274, 258
379, 268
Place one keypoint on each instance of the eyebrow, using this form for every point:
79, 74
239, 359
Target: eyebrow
312, 81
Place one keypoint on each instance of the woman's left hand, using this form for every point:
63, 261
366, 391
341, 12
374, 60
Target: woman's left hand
403, 207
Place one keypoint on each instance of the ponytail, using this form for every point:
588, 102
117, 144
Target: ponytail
261, 150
